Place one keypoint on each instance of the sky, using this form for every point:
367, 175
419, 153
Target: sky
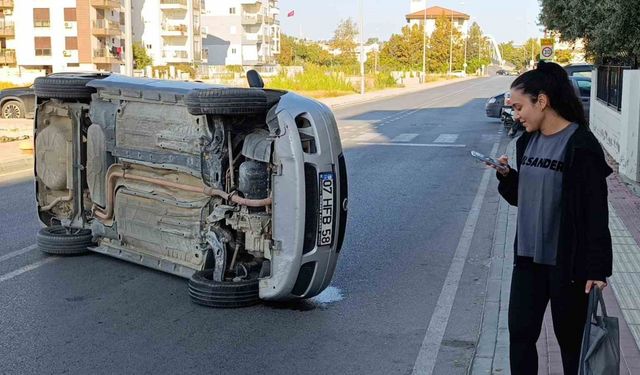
504, 20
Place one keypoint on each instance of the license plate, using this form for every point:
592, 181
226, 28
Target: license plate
325, 224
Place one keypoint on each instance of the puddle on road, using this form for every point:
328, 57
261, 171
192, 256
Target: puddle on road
329, 295
321, 301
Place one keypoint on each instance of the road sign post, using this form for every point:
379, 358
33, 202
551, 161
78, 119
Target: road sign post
547, 51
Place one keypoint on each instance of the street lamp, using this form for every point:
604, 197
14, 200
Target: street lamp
424, 43
451, 42
362, 55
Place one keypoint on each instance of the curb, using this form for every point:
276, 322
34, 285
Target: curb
392, 93
16, 165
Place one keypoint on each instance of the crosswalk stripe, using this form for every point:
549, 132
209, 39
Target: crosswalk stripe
446, 138
407, 137
367, 137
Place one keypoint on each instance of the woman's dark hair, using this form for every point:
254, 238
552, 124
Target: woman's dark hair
552, 80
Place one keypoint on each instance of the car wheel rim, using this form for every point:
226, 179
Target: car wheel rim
11, 111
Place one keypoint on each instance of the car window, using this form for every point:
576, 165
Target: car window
584, 87
581, 74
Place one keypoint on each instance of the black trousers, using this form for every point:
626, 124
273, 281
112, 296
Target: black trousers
532, 287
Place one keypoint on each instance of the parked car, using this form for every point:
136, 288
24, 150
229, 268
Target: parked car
502, 72
582, 87
17, 102
579, 70
243, 191
493, 107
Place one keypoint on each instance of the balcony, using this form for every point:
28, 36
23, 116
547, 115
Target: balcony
7, 29
252, 19
174, 30
176, 56
106, 4
174, 4
6, 4
105, 56
7, 57
251, 39
250, 2
106, 28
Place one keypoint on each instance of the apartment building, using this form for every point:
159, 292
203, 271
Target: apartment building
417, 17
61, 35
241, 32
169, 30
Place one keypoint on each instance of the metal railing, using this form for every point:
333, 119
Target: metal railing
173, 2
111, 4
610, 85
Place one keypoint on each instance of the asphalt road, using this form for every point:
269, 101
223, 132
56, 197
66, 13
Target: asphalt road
416, 200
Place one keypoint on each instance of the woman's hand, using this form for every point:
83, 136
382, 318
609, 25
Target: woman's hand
590, 283
504, 170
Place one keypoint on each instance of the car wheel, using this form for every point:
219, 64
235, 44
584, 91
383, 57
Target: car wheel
227, 101
13, 109
66, 86
203, 290
59, 240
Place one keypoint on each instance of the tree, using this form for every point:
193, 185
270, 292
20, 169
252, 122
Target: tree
344, 39
609, 28
295, 51
516, 56
439, 45
403, 51
140, 57
563, 56
285, 57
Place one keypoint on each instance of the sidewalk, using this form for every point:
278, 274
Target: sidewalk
622, 297
12, 159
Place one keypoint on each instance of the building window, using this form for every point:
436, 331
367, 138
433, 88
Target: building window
149, 46
71, 43
69, 14
232, 10
41, 17
43, 45
233, 51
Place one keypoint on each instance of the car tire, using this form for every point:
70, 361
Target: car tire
66, 86
13, 109
58, 240
227, 101
203, 290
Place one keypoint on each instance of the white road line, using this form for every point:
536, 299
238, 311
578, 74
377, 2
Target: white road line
446, 138
367, 136
17, 252
410, 144
406, 137
28, 268
426, 361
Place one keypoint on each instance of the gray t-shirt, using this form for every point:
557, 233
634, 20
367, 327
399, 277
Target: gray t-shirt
539, 195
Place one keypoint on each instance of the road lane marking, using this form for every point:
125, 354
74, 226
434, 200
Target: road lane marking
17, 252
367, 136
446, 138
410, 144
406, 137
426, 361
27, 268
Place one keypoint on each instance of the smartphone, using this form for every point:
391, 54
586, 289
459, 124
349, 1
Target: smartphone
487, 159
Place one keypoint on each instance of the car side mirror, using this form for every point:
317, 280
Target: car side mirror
254, 79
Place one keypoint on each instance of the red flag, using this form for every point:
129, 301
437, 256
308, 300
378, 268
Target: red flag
291, 14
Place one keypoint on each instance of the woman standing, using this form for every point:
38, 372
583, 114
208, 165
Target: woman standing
563, 244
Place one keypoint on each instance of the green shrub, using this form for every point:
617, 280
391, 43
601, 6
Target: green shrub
312, 79
384, 80
235, 69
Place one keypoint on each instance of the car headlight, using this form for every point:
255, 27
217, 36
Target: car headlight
492, 100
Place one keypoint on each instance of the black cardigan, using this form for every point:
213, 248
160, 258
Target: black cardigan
584, 249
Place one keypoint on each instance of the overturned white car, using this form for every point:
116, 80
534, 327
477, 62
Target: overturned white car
241, 190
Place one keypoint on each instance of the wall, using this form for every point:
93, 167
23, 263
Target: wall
618, 131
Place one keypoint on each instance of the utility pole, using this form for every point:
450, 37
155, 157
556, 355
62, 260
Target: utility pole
451, 44
424, 43
128, 43
362, 55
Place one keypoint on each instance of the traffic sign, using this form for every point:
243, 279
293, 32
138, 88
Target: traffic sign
547, 52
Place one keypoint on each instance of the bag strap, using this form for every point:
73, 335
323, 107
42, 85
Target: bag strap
601, 301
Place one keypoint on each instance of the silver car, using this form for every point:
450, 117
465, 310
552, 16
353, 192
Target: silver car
243, 191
